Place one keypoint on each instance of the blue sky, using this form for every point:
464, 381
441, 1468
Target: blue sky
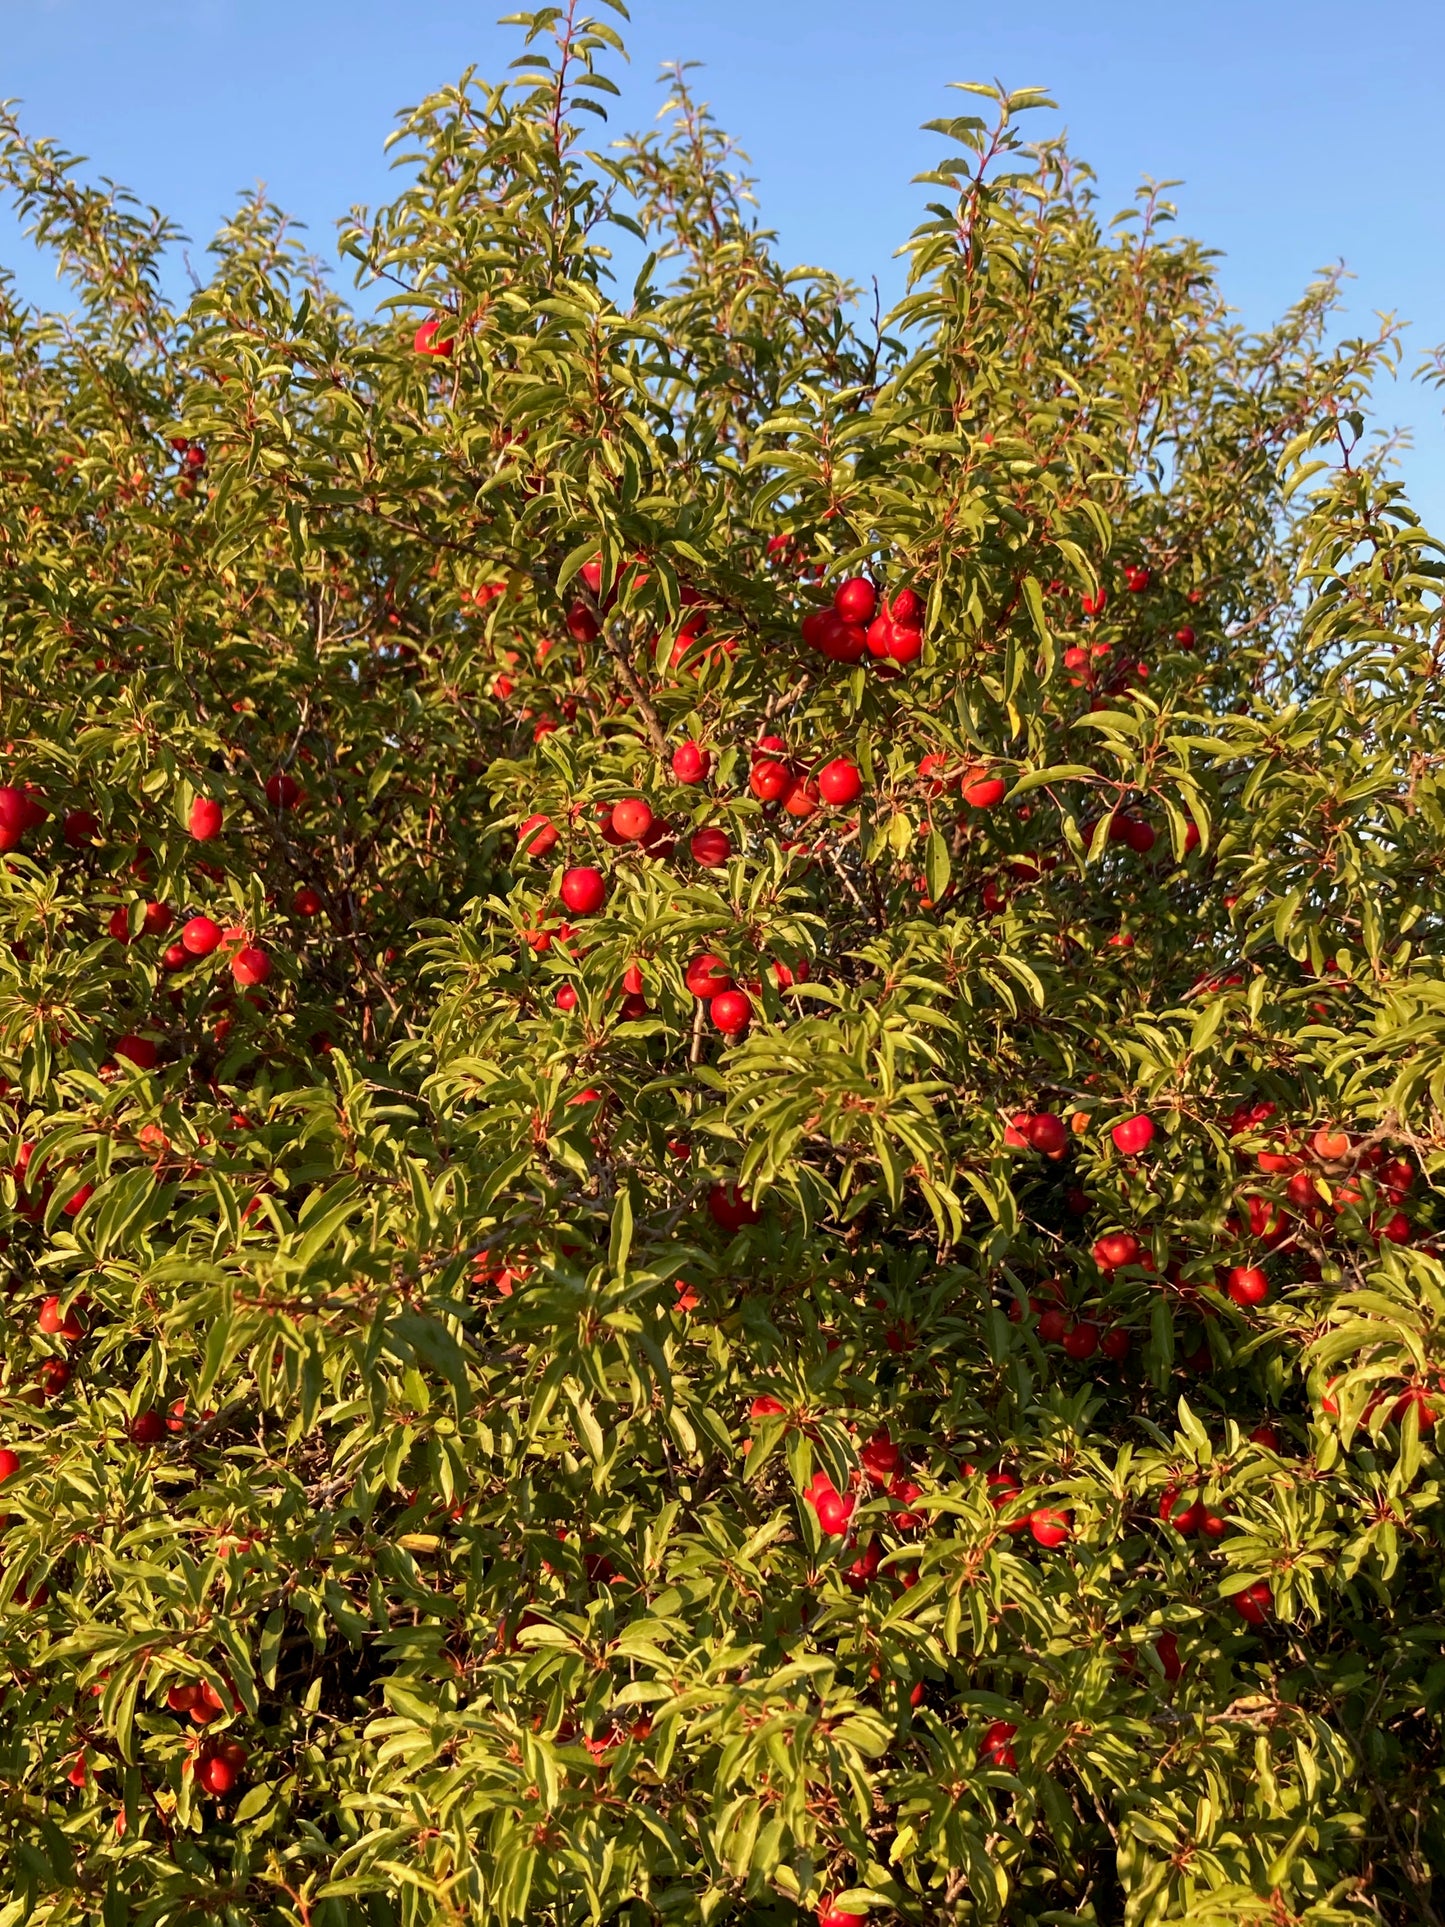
1304, 131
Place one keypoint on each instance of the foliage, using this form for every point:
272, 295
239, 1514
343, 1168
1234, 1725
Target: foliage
597, 1464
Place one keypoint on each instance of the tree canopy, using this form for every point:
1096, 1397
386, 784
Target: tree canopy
722, 1051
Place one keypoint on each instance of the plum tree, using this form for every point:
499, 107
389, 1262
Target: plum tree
722, 1057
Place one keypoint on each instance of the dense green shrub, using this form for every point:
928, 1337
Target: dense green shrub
490, 1433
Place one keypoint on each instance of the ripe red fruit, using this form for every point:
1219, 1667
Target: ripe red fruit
584, 890
904, 644
200, 936
1254, 1603
1047, 1132
1185, 1515
834, 1508
251, 966
78, 1200
216, 1775
283, 792
690, 763
1396, 1178
1050, 1528
1331, 1147
708, 976
9, 1464
1184, 636
1248, 1285
839, 782
631, 819
80, 827
140, 1051
845, 641
1116, 1249
802, 797
429, 340
710, 848
729, 1209
1132, 830
767, 1407
157, 919
1053, 1324
1094, 605
56, 1323
1397, 1229
855, 600
1266, 1436
995, 1749
52, 1376
536, 836
980, 790
205, 819
768, 780
146, 1428
831, 1916
731, 1012
817, 628
880, 1457
1167, 1647
306, 903
1082, 1342
1133, 1135
1115, 1344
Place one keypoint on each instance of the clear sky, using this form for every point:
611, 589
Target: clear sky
1304, 131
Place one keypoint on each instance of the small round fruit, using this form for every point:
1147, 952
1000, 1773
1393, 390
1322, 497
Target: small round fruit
1184, 636
1255, 1603
250, 966
536, 836
982, 791
855, 600
631, 819
9, 1464
995, 1746
691, 763
200, 936
840, 782
708, 976
1049, 1528
306, 903
731, 1012
1116, 1249
566, 998
205, 819
729, 1209
584, 890
710, 848
56, 1323
146, 1428
1248, 1285
140, 1051
1133, 1135
1048, 1133
830, 1915
1083, 1341
429, 340
283, 792
768, 780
